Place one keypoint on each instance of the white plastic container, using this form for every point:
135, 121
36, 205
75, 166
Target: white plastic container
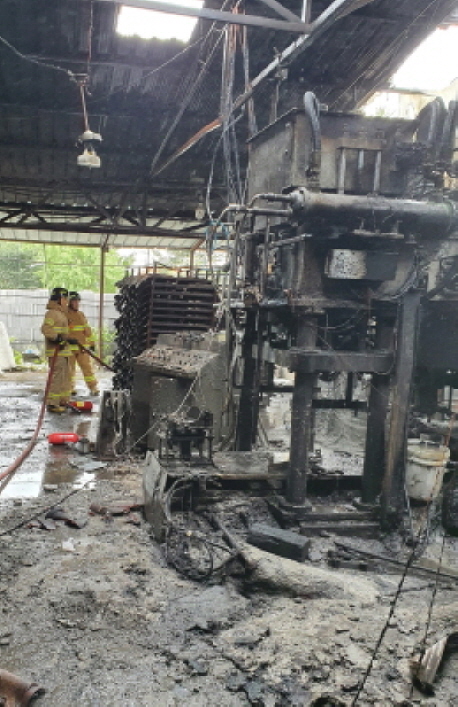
425, 469
6, 352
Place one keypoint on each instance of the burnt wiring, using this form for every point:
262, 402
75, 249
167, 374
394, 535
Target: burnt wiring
189, 550
416, 551
419, 543
385, 627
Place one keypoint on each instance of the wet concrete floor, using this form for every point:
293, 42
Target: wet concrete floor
21, 396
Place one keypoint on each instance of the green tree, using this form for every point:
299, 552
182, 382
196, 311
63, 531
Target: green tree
25, 266
19, 266
79, 268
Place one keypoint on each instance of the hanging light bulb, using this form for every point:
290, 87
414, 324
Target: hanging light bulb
89, 158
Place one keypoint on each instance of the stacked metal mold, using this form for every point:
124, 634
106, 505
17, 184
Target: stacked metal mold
157, 304
132, 306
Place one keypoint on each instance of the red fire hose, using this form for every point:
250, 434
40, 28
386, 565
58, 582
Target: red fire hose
8, 473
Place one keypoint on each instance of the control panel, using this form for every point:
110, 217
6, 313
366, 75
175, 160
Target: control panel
175, 362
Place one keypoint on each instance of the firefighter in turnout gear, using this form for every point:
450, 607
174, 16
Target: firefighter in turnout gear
55, 330
80, 330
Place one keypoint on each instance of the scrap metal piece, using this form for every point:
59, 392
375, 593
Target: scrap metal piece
154, 483
424, 668
116, 509
15, 692
59, 514
284, 543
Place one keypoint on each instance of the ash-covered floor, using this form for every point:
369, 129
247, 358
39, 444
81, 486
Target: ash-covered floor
96, 616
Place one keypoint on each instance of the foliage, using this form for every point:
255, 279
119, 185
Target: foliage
79, 268
109, 345
18, 360
18, 267
25, 266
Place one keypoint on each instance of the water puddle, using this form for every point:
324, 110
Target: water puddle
47, 464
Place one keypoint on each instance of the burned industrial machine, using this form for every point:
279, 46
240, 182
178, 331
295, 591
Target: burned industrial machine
343, 261
349, 236
180, 396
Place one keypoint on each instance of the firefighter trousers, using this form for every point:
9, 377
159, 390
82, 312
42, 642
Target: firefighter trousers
84, 362
59, 389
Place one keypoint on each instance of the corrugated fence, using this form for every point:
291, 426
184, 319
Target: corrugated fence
22, 312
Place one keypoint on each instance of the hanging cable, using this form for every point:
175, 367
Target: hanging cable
82, 87
37, 62
89, 39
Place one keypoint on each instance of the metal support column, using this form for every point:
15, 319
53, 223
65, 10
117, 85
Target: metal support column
394, 479
103, 251
301, 417
248, 403
374, 458
247, 419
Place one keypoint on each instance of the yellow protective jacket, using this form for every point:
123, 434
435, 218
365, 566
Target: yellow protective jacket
79, 329
55, 323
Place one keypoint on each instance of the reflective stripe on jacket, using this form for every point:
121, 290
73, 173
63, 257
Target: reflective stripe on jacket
79, 329
55, 323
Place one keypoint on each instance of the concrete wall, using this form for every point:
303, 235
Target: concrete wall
22, 312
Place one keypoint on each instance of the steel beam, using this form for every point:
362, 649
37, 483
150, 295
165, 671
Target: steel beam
379, 397
283, 11
301, 445
98, 229
207, 13
319, 361
393, 485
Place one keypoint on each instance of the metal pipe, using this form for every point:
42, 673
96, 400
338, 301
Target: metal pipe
403, 215
283, 198
342, 170
377, 171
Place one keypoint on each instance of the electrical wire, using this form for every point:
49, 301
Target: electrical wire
90, 37
37, 62
186, 100
368, 671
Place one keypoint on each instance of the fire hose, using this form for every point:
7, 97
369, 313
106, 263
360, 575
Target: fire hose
5, 476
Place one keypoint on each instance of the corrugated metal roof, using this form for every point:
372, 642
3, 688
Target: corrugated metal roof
76, 238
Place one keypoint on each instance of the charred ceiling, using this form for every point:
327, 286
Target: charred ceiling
147, 98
